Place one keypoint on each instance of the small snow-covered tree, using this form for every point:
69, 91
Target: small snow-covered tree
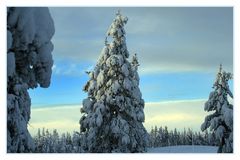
69, 146
159, 138
165, 136
76, 142
55, 141
197, 138
113, 112
176, 138
184, 137
221, 120
38, 141
189, 137
29, 63
152, 138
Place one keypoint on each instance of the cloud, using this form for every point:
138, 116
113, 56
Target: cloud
62, 126
184, 59
170, 117
69, 68
167, 39
174, 114
64, 118
77, 50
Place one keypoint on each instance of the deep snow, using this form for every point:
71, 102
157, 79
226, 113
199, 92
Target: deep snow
183, 149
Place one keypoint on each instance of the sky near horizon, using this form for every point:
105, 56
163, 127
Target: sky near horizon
179, 51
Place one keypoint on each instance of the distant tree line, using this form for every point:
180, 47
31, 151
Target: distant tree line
52, 142
160, 137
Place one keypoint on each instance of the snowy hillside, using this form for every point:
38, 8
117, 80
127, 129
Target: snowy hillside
183, 149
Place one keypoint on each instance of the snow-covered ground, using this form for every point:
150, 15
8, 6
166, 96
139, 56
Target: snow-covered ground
184, 149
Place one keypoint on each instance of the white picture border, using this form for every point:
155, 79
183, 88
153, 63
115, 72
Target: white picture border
135, 3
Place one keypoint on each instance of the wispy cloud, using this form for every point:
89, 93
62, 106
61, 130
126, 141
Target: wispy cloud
179, 114
170, 117
64, 118
71, 68
167, 39
175, 114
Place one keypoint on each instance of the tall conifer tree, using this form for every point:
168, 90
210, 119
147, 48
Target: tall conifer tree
113, 110
221, 120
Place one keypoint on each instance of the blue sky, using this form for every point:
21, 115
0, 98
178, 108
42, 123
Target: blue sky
179, 50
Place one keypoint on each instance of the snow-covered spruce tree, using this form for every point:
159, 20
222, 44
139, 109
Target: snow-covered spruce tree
113, 111
221, 120
29, 63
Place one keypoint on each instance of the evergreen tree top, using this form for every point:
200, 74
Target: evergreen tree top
116, 28
222, 78
221, 121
